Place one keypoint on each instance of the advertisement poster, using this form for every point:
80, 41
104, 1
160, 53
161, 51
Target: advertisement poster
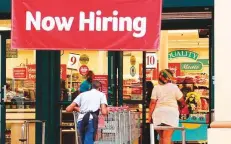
136, 92
63, 71
31, 72
175, 67
103, 79
83, 70
149, 73
19, 73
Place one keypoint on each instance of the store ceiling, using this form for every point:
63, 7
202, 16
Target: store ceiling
186, 39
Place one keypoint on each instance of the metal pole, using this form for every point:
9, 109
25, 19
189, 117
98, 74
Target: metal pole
144, 98
152, 137
130, 128
23, 134
183, 136
76, 128
60, 121
43, 132
71, 80
120, 135
27, 132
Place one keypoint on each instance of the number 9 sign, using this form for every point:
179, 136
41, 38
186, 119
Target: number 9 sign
151, 60
73, 62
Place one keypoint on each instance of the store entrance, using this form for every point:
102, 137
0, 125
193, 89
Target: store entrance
17, 91
4, 35
188, 53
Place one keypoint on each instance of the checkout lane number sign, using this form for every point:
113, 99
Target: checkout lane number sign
73, 61
151, 60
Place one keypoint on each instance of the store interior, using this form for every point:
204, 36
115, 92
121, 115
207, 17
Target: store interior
186, 52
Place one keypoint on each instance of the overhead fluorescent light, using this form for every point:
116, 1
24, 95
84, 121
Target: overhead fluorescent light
5, 28
183, 31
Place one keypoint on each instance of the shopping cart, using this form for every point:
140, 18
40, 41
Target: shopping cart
25, 131
77, 134
152, 128
120, 126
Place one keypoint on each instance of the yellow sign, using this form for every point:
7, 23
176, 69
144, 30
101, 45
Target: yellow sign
133, 60
84, 59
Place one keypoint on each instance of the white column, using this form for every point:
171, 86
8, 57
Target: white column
34, 54
221, 127
102, 63
163, 52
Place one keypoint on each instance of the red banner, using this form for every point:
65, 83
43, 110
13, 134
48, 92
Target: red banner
31, 72
63, 71
19, 73
175, 67
150, 73
87, 24
103, 79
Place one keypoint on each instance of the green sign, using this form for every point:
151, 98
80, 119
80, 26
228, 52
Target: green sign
183, 53
205, 62
197, 66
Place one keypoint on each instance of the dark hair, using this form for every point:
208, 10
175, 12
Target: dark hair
7, 86
90, 74
96, 84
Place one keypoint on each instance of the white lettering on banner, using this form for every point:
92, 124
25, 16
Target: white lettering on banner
193, 67
118, 23
31, 76
95, 22
48, 23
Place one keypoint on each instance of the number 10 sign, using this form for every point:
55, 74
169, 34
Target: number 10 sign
151, 60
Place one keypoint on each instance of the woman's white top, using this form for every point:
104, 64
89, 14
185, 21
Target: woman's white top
166, 110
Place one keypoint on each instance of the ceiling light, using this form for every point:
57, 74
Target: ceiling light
5, 28
183, 31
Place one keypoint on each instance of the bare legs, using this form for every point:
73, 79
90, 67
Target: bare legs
165, 136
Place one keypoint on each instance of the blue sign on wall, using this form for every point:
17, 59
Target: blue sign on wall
5, 5
194, 132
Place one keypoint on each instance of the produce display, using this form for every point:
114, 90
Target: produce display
132, 89
195, 89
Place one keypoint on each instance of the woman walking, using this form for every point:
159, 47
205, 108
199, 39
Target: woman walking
163, 108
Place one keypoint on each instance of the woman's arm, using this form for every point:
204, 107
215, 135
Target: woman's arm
151, 109
180, 97
182, 102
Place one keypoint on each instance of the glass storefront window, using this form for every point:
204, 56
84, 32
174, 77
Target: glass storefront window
132, 76
20, 92
72, 77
